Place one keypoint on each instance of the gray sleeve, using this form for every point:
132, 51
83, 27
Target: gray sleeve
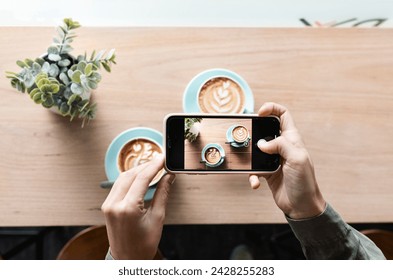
327, 236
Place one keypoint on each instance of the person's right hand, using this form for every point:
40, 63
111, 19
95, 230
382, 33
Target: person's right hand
294, 186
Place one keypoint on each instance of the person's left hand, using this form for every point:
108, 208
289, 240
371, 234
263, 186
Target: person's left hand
134, 232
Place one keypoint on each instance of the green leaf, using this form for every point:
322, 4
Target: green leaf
71, 24
111, 53
63, 77
64, 108
106, 66
65, 31
88, 69
99, 55
54, 57
49, 102
11, 75
76, 76
70, 72
77, 89
40, 61
41, 82
72, 99
92, 84
34, 92
37, 98
55, 88
29, 62
81, 66
92, 55
53, 50
46, 88
66, 49
45, 67
36, 68
21, 64
64, 63
54, 70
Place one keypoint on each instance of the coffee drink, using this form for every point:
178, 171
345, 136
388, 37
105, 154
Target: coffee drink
213, 155
136, 152
240, 134
221, 95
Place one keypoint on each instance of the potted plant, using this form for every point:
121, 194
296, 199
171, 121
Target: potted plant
61, 82
192, 128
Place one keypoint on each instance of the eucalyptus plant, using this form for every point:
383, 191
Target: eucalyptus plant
60, 80
191, 128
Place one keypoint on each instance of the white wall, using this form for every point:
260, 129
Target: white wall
275, 13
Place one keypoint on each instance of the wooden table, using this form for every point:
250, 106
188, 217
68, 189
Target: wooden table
338, 84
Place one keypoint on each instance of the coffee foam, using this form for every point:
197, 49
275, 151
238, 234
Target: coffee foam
240, 133
137, 152
212, 155
221, 95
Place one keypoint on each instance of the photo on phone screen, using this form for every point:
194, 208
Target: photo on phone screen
211, 143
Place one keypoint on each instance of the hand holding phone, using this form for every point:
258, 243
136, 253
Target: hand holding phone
207, 143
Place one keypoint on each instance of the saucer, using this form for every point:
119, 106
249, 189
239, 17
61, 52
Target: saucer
230, 138
190, 94
111, 169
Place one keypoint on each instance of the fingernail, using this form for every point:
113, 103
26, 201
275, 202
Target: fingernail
261, 143
172, 178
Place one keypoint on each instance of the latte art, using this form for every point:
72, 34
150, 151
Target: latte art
213, 155
221, 95
240, 134
137, 152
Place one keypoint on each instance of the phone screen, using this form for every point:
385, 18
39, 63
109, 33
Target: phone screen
211, 143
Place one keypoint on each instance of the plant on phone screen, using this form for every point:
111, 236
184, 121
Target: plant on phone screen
191, 128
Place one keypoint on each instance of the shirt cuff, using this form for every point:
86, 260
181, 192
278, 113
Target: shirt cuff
320, 230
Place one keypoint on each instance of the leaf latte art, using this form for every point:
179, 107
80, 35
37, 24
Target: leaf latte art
221, 95
240, 134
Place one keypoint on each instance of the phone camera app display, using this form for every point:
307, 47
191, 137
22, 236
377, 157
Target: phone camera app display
217, 144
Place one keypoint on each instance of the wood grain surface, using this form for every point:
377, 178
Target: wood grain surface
337, 83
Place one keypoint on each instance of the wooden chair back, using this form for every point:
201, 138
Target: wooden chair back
383, 239
89, 244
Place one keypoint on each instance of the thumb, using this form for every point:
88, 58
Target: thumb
276, 146
161, 195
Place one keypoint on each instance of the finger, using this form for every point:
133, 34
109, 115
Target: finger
160, 199
254, 181
280, 111
144, 177
122, 185
280, 146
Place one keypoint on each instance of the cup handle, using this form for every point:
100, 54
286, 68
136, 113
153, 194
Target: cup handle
247, 143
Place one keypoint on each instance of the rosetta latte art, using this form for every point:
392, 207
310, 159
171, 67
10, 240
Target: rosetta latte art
240, 134
221, 95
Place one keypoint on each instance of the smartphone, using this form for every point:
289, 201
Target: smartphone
209, 143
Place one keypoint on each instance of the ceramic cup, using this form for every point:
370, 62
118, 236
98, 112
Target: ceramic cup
138, 151
213, 155
240, 135
221, 95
